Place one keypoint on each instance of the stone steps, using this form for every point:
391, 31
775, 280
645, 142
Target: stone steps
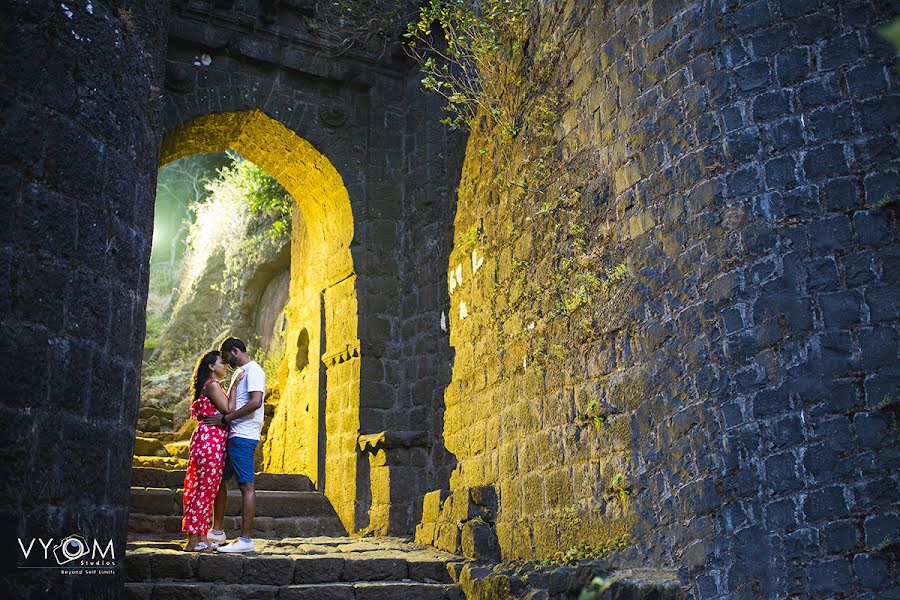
143, 525
331, 591
286, 505
149, 446
163, 436
269, 503
179, 449
319, 568
158, 462
154, 419
157, 478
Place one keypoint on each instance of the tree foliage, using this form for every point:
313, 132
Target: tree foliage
243, 183
469, 51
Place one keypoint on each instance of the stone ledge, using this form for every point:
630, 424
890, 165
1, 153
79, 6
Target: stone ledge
481, 581
372, 442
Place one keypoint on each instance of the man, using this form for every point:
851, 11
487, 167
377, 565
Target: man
244, 425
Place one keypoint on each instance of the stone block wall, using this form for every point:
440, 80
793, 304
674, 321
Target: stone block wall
350, 108
431, 169
80, 89
461, 522
722, 406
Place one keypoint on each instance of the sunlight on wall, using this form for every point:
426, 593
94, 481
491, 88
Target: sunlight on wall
320, 260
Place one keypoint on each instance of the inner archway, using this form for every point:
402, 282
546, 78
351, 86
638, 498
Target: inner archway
322, 307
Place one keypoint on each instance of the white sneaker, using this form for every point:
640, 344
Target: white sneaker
218, 538
237, 546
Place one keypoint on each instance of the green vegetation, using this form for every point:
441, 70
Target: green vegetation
887, 200
597, 587
620, 487
243, 184
470, 238
232, 215
249, 210
596, 414
505, 93
580, 552
558, 298
471, 65
614, 275
892, 34
886, 545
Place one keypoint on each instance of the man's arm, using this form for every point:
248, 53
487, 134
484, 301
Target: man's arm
255, 401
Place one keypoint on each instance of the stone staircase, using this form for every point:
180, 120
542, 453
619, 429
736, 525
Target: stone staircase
286, 506
318, 568
301, 548
158, 446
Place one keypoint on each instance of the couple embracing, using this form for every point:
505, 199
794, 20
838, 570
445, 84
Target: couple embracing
222, 446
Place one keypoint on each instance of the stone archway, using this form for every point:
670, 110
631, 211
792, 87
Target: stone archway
321, 390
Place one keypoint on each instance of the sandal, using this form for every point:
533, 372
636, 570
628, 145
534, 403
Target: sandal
200, 547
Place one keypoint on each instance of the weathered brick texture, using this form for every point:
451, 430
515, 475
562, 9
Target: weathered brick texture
738, 153
81, 92
734, 154
365, 114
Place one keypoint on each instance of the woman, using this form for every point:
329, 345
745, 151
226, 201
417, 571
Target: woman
207, 448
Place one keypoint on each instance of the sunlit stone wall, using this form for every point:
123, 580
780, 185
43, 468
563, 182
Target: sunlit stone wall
80, 91
322, 307
366, 115
722, 410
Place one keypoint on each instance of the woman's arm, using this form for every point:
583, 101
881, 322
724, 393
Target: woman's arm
217, 396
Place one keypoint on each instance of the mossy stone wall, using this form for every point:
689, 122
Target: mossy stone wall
673, 295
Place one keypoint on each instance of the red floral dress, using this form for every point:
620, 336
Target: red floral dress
204, 473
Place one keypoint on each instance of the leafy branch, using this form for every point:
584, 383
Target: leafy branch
467, 50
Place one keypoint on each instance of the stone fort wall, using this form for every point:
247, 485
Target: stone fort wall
717, 404
350, 108
708, 395
81, 94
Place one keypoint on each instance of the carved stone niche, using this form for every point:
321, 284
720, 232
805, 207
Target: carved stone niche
178, 80
332, 116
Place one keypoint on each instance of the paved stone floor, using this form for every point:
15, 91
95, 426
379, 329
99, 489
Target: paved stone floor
336, 546
340, 568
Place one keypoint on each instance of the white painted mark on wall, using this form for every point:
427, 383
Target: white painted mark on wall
463, 310
443, 321
477, 261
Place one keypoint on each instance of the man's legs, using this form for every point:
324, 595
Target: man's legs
240, 455
248, 508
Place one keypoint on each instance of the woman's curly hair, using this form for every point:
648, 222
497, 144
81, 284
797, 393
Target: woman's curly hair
202, 372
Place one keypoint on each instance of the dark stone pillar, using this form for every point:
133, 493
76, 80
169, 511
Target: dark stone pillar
80, 90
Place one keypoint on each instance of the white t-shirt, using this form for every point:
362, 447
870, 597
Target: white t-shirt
250, 425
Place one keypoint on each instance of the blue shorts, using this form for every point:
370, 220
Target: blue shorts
239, 459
